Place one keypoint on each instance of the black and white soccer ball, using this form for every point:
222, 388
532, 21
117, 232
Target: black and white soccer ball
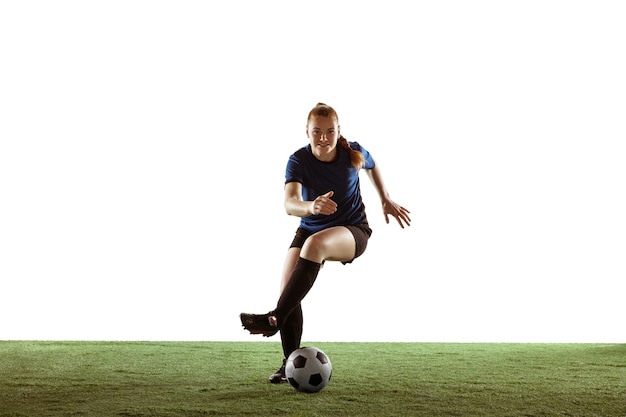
308, 369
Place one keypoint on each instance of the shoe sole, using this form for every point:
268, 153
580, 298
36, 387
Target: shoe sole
265, 334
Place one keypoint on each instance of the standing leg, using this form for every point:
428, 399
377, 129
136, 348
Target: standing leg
290, 337
291, 332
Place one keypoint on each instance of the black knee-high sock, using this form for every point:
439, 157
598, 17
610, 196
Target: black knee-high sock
301, 281
291, 332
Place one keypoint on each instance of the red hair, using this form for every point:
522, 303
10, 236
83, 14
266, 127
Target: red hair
324, 110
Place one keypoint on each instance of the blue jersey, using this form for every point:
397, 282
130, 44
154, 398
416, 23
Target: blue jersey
318, 178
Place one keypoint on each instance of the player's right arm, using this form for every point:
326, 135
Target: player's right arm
295, 206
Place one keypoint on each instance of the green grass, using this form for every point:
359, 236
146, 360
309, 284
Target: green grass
369, 379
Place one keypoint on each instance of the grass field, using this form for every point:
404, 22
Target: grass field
369, 379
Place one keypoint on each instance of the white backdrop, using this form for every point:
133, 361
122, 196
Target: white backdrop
143, 147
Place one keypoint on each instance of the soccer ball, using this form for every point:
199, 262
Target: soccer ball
308, 369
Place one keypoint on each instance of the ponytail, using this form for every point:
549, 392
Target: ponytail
356, 157
325, 110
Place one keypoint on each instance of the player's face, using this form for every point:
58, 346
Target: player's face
323, 132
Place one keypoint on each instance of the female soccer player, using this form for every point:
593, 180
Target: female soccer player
322, 188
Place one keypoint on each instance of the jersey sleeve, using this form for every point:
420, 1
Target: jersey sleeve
294, 171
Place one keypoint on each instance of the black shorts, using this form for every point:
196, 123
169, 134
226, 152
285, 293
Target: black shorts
361, 233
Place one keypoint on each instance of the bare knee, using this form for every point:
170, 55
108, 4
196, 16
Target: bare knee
314, 248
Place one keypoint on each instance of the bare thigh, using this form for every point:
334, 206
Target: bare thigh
332, 244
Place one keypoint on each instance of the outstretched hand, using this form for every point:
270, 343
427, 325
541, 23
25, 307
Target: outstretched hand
324, 205
400, 213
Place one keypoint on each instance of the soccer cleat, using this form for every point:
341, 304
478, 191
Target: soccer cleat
279, 376
264, 324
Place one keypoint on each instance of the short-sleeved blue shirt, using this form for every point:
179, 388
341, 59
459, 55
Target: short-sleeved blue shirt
319, 177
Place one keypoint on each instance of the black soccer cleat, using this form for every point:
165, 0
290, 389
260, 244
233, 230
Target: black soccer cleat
279, 376
259, 323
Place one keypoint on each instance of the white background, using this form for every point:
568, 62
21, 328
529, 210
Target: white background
143, 147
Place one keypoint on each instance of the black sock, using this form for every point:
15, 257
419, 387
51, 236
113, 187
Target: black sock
291, 332
301, 281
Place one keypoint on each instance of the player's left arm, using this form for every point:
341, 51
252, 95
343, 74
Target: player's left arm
390, 208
